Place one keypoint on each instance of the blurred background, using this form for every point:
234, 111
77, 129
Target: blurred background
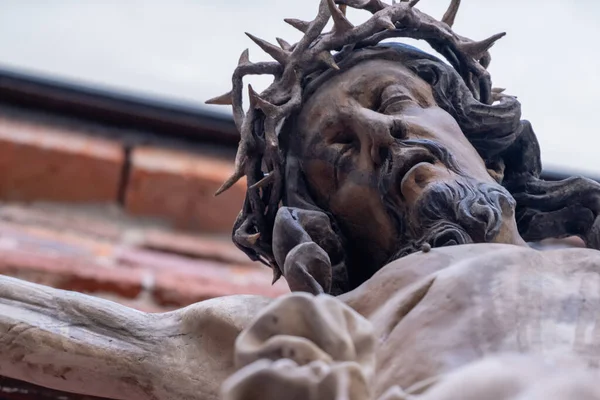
184, 51
109, 159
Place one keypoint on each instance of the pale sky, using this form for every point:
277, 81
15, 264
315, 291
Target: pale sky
185, 50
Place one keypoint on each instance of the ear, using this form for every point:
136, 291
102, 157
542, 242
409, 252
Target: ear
308, 251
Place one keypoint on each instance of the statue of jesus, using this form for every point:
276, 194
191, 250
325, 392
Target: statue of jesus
396, 193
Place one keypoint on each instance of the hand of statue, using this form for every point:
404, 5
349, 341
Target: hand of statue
307, 269
308, 347
303, 247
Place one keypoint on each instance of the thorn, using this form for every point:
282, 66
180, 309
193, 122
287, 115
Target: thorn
252, 95
451, 12
372, 6
302, 26
263, 182
283, 44
258, 102
223, 100
278, 54
327, 59
386, 22
477, 49
276, 275
245, 57
498, 94
237, 175
343, 9
341, 24
413, 3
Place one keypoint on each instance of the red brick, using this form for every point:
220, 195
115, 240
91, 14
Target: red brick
180, 187
180, 281
70, 273
39, 239
92, 232
65, 260
85, 223
148, 280
39, 162
209, 248
174, 290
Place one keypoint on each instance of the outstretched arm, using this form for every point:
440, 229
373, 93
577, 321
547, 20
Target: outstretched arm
78, 343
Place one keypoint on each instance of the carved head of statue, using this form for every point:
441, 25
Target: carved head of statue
361, 152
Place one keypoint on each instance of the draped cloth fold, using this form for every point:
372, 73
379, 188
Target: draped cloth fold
306, 347
490, 322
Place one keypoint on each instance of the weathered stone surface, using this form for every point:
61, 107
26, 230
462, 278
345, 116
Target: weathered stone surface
77, 343
473, 321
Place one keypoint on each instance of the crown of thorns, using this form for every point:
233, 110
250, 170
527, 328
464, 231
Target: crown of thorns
258, 156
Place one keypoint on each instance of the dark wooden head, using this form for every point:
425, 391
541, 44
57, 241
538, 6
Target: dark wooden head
359, 157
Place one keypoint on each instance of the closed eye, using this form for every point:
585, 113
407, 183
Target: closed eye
348, 147
397, 98
346, 142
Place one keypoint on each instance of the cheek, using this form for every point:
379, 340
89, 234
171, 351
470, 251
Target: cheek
437, 125
355, 202
360, 211
320, 177
357, 207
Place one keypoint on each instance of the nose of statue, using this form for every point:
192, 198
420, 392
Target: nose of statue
416, 180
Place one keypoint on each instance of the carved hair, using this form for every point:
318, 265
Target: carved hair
488, 118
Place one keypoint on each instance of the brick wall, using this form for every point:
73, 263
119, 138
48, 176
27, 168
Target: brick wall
140, 227
181, 186
44, 162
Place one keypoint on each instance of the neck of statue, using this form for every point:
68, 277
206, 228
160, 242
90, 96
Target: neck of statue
509, 234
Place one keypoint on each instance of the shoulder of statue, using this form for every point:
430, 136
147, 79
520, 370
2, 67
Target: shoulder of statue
466, 263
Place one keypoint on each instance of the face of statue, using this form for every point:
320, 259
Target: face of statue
378, 153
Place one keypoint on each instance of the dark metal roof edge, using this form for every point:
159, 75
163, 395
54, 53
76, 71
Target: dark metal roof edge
167, 117
117, 108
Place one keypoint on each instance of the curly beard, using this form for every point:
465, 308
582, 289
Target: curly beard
447, 213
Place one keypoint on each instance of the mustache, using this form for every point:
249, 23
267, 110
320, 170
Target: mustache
449, 213
476, 207
388, 179
438, 151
